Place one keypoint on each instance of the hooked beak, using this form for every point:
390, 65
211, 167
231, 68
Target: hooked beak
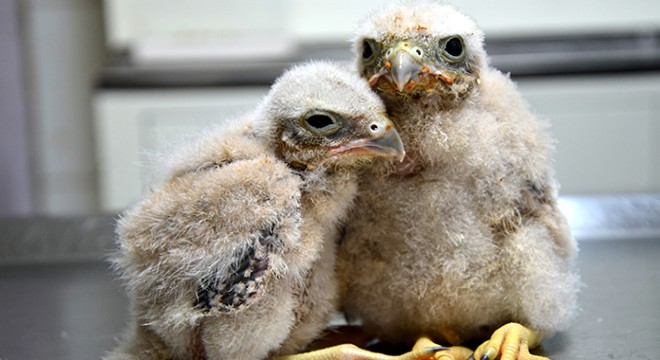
384, 141
405, 63
404, 67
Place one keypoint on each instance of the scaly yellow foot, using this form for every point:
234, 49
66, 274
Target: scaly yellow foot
352, 352
511, 342
446, 353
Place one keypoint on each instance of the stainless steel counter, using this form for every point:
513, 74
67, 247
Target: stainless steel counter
71, 308
65, 310
620, 302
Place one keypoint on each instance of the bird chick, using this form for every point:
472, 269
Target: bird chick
464, 236
233, 256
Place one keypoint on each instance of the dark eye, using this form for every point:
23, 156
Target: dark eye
320, 121
321, 124
453, 48
369, 50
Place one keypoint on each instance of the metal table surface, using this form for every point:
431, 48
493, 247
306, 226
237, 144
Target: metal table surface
65, 310
72, 308
75, 310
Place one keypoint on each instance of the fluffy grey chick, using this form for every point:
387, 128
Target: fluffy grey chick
233, 256
464, 237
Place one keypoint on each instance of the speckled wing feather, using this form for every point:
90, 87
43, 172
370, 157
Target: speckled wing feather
247, 278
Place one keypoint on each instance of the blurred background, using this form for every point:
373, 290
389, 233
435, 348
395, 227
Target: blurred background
91, 90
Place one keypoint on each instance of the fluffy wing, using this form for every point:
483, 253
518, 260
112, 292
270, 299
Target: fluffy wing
209, 239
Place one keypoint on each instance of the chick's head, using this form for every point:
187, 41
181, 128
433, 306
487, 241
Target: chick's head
420, 49
322, 114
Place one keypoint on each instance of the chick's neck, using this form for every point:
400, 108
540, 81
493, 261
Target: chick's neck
427, 126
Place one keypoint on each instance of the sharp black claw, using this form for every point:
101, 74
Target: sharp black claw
485, 357
471, 357
435, 349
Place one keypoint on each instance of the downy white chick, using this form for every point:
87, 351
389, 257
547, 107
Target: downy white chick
464, 237
233, 256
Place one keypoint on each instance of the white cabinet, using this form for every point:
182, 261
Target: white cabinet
607, 128
135, 130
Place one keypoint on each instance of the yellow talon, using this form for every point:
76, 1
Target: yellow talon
511, 342
352, 352
446, 353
